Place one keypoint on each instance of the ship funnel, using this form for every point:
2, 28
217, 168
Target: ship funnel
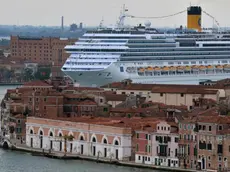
194, 18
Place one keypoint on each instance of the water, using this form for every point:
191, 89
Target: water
24, 162
11, 161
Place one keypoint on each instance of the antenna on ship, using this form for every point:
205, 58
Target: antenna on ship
101, 23
120, 23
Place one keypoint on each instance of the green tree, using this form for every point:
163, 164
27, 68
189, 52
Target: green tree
43, 73
28, 74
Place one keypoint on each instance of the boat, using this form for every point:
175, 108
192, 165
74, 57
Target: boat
145, 54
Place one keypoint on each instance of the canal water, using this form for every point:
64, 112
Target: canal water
12, 161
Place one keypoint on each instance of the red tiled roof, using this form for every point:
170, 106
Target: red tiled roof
115, 97
135, 86
37, 83
183, 90
87, 102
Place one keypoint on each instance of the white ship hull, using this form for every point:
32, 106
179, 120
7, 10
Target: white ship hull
99, 78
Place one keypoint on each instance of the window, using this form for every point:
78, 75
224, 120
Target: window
176, 139
149, 137
149, 148
139, 157
137, 135
45, 99
210, 128
182, 95
220, 127
146, 136
44, 107
146, 148
157, 138
209, 146
137, 147
204, 127
161, 94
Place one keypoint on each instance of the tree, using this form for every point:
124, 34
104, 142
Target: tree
43, 73
28, 74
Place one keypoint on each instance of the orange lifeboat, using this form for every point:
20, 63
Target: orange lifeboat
172, 68
180, 68
141, 69
227, 67
202, 67
150, 69
157, 68
165, 68
219, 67
210, 67
188, 68
195, 68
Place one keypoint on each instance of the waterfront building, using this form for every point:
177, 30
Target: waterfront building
157, 144
109, 139
43, 50
214, 142
188, 147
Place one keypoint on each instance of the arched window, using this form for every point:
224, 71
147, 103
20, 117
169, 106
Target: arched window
31, 131
94, 139
41, 133
105, 141
60, 135
82, 138
51, 134
116, 142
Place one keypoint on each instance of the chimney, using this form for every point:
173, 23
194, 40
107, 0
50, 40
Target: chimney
62, 23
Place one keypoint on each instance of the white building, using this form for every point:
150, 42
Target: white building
105, 141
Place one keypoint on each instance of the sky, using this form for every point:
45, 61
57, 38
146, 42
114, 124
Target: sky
91, 12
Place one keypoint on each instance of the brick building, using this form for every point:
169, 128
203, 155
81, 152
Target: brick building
40, 50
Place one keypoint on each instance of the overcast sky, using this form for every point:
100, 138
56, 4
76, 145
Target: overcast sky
90, 12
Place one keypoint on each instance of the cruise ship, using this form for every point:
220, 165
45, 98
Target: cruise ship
146, 55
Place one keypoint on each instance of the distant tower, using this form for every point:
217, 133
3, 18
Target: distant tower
62, 23
194, 18
81, 25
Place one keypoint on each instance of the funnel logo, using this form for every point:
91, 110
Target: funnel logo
199, 21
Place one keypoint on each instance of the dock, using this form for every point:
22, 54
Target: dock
71, 156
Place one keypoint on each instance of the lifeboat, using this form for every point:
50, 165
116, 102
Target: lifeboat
141, 69
165, 68
181, 68
157, 68
172, 68
210, 67
195, 68
219, 67
202, 67
227, 67
150, 69
188, 68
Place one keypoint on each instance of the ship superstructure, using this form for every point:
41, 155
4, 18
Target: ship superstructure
145, 55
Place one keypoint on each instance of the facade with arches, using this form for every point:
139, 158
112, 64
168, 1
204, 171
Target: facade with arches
87, 139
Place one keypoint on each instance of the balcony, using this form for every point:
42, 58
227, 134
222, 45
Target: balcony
183, 141
182, 155
162, 154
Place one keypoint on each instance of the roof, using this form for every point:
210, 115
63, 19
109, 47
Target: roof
184, 90
115, 97
87, 102
37, 83
134, 86
123, 122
